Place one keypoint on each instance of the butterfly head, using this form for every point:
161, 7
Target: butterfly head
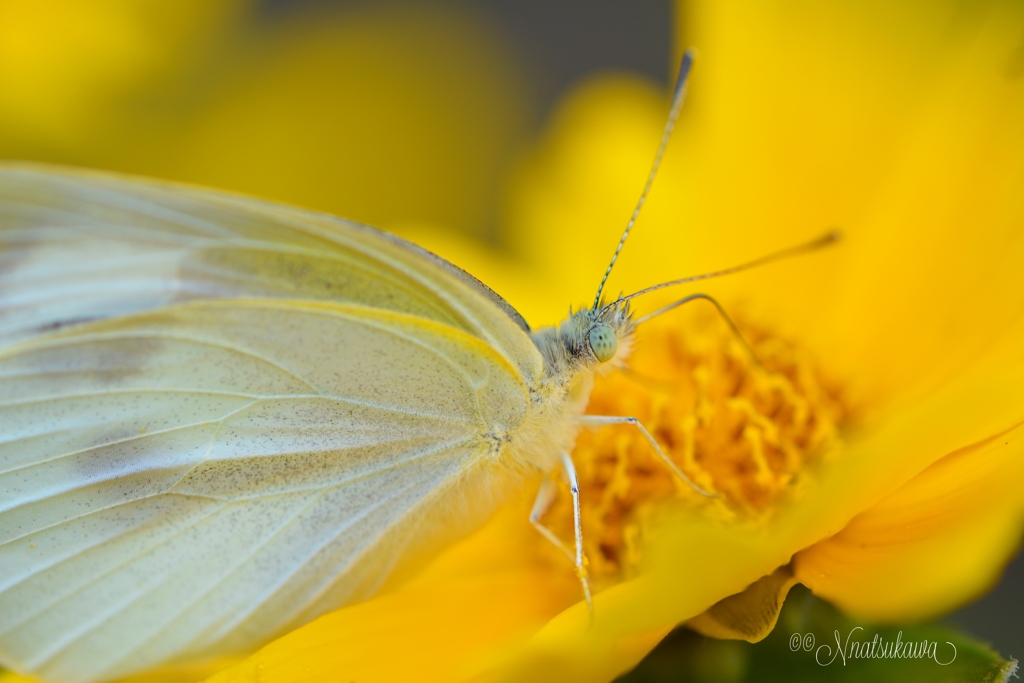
588, 339
609, 333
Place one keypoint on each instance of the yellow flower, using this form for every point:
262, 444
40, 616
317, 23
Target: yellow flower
870, 452
873, 453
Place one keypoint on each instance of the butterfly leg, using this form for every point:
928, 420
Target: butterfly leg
581, 568
546, 495
602, 420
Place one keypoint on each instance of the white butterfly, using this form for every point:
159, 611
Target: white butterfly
220, 417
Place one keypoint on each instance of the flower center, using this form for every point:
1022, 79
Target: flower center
741, 428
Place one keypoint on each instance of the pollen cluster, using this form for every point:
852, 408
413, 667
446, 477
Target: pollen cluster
745, 427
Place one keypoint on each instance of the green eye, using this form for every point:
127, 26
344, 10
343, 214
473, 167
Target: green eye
603, 342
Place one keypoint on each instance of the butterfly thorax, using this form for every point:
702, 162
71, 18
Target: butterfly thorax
587, 341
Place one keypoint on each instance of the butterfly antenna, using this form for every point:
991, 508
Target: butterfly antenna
673, 114
823, 241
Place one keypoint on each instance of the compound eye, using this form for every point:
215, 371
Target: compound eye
603, 342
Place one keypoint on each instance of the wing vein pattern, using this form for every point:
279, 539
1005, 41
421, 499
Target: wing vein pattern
220, 418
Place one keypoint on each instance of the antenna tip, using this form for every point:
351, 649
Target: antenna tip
689, 55
833, 235
684, 72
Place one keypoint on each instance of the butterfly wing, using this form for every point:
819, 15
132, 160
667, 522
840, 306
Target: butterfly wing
194, 478
181, 483
78, 246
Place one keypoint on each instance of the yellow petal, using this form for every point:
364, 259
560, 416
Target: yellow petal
939, 276
938, 541
931, 263
813, 116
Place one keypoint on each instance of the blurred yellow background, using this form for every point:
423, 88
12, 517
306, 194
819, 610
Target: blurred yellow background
437, 121
381, 113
